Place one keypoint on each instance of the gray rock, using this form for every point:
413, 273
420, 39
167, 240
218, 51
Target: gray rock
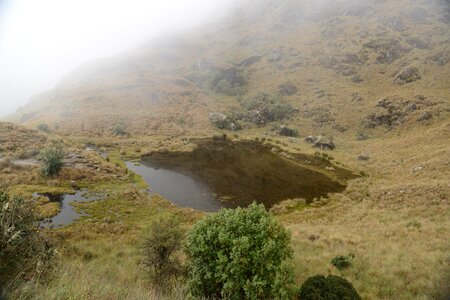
363, 157
217, 117
286, 131
311, 139
425, 116
410, 74
250, 61
288, 89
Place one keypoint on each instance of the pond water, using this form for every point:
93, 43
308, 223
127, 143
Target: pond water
222, 173
180, 189
67, 214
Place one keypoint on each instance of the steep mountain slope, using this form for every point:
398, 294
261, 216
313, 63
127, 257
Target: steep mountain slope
346, 66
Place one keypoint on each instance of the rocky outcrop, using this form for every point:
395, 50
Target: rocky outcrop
320, 142
286, 131
410, 74
287, 89
250, 61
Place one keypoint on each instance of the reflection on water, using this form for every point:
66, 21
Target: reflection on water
67, 214
180, 189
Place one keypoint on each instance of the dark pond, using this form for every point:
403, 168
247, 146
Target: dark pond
67, 214
220, 173
180, 189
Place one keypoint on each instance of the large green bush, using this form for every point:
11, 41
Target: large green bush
239, 254
162, 241
332, 287
52, 157
24, 251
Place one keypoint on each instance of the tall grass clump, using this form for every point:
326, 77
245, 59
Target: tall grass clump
162, 242
239, 254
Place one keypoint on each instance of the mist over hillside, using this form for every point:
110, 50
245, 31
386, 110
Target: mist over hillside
342, 57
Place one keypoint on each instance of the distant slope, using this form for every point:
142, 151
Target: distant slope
337, 60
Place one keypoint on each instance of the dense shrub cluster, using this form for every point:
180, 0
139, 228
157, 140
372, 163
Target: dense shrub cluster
239, 254
24, 251
332, 287
52, 157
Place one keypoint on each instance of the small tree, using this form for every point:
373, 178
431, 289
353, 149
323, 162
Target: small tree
52, 158
23, 249
332, 287
239, 254
161, 244
118, 130
43, 127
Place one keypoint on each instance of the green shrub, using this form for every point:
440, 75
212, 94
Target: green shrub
24, 251
330, 288
162, 242
119, 130
181, 120
341, 262
43, 127
239, 254
271, 108
52, 158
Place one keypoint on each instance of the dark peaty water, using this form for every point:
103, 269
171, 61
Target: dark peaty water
222, 173
180, 189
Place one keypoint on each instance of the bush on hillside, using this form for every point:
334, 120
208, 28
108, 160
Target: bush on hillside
119, 130
24, 251
43, 127
239, 254
52, 157
332, 287
162, 242
341, 262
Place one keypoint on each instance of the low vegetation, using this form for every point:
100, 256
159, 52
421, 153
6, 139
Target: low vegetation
239, 254
162, 242
119, 130
43, 127
24, 250
52, 158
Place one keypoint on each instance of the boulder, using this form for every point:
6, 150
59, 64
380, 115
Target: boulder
250, 61
425, 116
363, 157
287, 89
217, 117
324, 144
410, 74
285, 131
311, 139
320, 142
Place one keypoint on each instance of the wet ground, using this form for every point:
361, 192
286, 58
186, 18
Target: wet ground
67, 214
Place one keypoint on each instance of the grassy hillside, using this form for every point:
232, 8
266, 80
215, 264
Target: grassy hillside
341, 58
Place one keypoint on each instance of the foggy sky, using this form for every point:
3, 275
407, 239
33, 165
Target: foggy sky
42, 40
